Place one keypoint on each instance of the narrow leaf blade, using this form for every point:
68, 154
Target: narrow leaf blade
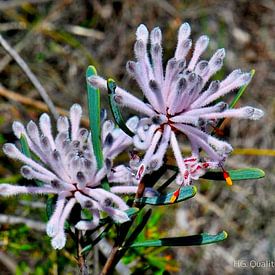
186, 192
201, 239
86, 249
94, 116
24, 146
111, 84
238, 174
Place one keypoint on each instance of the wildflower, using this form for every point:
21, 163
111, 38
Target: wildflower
180, 101
68, 168
115, 141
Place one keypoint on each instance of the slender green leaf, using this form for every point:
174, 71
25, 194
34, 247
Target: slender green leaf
200, 239
239, 174
186, 192
24, 146
111, 84
86, 249
94, 117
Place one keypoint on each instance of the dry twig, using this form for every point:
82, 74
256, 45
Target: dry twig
34, 103
8, 262
39, 226
23, 65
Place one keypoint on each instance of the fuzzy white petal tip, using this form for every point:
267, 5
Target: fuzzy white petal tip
76, 110
132, 123
117, 215
62, 124
51, 229
10, 150
244, 79
44, 120
84, 225
81, 225
184, 31
18, 129
142, 33
221, 53
26, 172
156, 36
203, 41
6, 190
59, 241
253, 113
98, 82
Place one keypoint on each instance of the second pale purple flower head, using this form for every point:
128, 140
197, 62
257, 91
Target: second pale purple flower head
179, 101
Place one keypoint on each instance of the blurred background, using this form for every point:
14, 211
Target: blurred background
59, 39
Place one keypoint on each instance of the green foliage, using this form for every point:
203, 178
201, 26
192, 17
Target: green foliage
24, 146
148, 251
115, 109
200, 239
238, 174
186, 192
94, 116
145, 258
32, 252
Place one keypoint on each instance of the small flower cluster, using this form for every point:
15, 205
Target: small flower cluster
68, 168
180, 101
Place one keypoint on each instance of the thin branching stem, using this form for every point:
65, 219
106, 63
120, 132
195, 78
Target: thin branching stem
81, 259
116, 252
8, 219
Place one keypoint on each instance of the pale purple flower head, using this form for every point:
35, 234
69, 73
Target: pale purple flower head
180, 101
67, 167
